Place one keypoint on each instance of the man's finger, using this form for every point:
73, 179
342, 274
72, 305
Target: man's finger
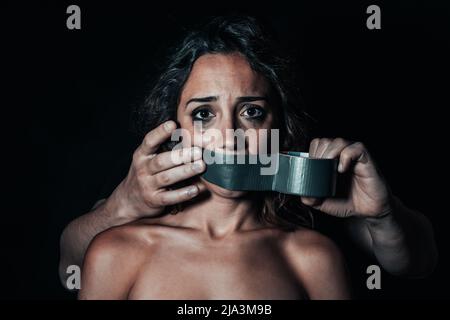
171, 197
156, 137
173, 158
311, 202
180, 173
354, 152
335, 148
313, 147
323, 145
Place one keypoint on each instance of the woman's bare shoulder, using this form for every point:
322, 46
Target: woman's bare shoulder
318, 262
305, 238
138, 238
113, 260
310, 246
135, 236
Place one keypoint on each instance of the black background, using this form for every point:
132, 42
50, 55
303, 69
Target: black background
68, 96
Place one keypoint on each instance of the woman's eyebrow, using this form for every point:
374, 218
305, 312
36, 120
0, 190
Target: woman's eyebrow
203, 99
215, 98
252, 98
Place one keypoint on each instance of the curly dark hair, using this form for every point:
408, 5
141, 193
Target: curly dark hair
244, 35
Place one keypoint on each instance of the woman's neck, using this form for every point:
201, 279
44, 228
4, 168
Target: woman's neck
218, 216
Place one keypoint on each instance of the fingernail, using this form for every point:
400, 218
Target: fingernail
168, 126
340, 167
192, 190
197, 166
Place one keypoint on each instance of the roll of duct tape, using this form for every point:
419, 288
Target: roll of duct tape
291, 173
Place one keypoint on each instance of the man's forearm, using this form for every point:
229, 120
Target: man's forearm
78, 234
403, 241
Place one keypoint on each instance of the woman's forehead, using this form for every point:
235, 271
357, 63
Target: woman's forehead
217, 74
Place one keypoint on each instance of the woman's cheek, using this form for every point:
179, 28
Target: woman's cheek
259, 140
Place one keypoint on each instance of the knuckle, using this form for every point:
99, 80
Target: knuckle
151, 194
147, 196
158, 163
359, 145
344, 155
325, 140
136, 156
163, 200
140, 171
163, 178
149, 141
153, 200
340, 141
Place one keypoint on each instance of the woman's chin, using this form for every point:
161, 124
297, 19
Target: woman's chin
222, 192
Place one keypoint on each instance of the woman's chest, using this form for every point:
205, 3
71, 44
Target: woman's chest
217, 273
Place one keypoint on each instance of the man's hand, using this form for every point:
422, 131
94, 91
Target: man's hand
145, 192
402, 241
368, 194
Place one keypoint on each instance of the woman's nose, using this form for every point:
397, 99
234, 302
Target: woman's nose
233, 136
227, 129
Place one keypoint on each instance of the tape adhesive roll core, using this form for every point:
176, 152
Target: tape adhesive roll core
290, 173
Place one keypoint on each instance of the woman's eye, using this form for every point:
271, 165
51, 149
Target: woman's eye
203, 115
253, 112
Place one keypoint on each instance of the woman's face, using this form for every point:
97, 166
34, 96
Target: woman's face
223, 92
